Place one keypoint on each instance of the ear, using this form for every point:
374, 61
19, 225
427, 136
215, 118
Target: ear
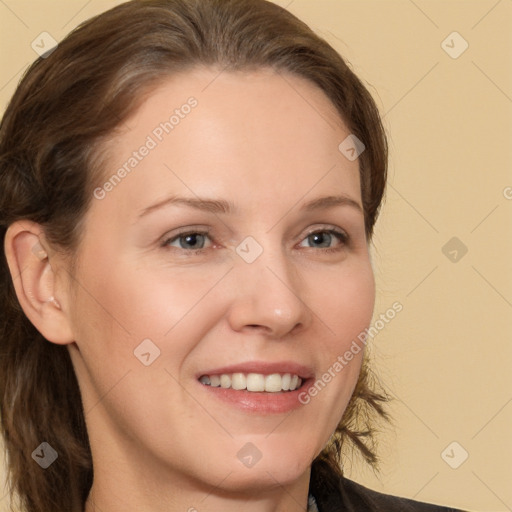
33, 271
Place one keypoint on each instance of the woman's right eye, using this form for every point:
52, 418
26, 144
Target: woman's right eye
192, 241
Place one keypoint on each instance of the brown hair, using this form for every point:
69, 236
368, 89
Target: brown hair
70, 101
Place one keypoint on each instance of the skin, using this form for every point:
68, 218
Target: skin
268, 143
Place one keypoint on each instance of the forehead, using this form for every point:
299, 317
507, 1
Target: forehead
253, 137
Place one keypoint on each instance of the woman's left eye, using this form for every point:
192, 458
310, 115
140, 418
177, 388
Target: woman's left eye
194, 241
325, 236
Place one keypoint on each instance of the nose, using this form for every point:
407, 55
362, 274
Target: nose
269, 296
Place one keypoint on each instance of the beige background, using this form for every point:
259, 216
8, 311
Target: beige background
447, 356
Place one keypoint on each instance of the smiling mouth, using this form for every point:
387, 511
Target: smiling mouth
254, 382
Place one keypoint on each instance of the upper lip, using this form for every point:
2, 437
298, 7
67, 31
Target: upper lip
264, 367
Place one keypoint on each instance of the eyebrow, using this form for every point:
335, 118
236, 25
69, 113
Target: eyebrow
227, 207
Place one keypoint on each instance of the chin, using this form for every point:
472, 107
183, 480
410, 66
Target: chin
269, 475
266, 463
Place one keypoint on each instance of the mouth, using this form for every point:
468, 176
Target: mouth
254, 382
258, 387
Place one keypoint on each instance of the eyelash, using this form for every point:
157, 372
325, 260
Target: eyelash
340, 235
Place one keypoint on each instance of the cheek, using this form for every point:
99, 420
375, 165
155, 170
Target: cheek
125, 312
344, 307
345, 303
123, 302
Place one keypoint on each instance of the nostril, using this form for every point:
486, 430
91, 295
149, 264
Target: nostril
258, 326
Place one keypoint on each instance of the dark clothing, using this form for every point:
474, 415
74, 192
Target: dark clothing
349, 496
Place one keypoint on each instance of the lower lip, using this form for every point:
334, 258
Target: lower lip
259, 402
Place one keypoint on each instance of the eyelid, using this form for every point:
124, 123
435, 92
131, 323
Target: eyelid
328, 228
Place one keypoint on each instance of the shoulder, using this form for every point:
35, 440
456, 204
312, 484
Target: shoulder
350, 496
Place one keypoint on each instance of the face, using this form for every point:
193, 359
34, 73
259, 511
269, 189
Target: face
210, 269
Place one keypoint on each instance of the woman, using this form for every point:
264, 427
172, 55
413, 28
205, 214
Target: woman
189, 191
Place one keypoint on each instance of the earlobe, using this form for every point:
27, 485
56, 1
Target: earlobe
35, 281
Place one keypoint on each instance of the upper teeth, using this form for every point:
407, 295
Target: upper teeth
254, 381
